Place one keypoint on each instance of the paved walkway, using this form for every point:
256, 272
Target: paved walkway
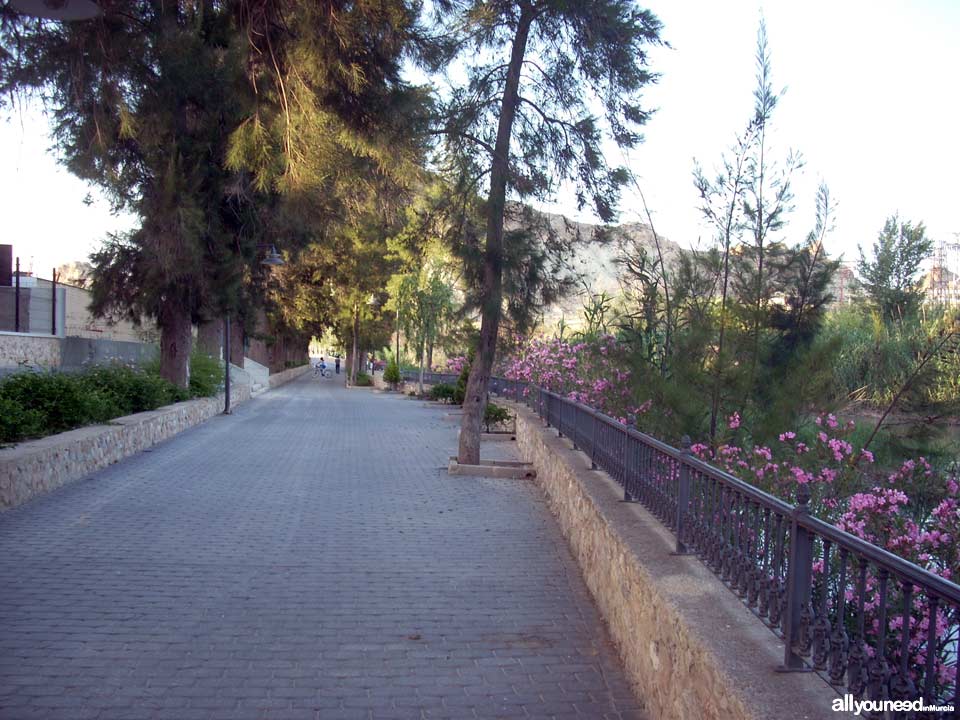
307, 558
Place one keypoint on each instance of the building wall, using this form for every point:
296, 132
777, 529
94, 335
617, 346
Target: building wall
81, 323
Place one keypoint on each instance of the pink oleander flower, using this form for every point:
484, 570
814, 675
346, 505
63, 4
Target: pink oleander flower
733, 422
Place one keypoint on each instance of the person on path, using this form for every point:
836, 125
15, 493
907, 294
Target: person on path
336, 361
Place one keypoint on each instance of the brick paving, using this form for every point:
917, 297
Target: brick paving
306, 558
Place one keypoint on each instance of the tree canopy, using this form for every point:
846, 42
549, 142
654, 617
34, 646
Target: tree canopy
890, 274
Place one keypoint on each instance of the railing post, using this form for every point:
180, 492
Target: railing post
799, 580
683, 496
593, 440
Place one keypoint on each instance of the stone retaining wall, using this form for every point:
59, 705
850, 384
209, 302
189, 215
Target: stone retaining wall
19, 350
282, 378
38, 466
691, 649
403, 386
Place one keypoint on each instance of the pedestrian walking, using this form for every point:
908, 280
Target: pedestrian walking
336, 362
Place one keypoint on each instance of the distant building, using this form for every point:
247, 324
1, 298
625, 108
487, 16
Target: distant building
942, 284
845, 287
65, 313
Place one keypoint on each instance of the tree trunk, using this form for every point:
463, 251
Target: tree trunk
355, 357
430, 355
475, 398
175, 340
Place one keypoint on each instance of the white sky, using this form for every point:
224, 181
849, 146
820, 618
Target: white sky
872, 104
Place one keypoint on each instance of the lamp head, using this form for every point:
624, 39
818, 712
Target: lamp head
273, 258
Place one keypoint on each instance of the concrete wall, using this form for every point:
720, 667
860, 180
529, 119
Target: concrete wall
79, 352
259, 375
24, 351
691, 649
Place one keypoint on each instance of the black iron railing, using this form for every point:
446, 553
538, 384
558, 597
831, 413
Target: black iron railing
429, 378
871, 623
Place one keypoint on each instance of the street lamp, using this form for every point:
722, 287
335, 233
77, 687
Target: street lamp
57, 9
272, 259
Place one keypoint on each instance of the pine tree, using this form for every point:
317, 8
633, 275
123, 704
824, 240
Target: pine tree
523, 123
142, 100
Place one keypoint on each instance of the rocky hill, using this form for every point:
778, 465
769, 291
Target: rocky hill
595, 262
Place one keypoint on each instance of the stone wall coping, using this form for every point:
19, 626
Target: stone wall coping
67, 438
691, 648
46, 336
34, 467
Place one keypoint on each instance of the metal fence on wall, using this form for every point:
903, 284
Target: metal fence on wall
36, 309
869, 622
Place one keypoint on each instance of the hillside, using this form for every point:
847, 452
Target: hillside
595, 262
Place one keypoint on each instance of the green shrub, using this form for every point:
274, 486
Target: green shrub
17, 423
495, 415
391, 374
443, 392
206, 375
127, 390
61, 400
35, 404
363, 380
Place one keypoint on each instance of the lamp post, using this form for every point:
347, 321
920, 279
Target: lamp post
272, 259
373, 302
